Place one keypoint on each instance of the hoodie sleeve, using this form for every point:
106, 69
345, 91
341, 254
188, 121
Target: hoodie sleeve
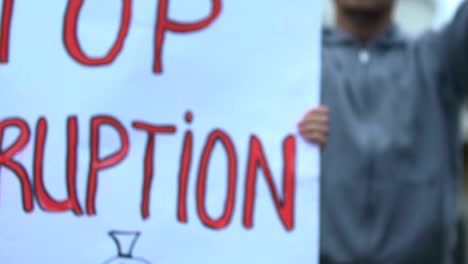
453, 40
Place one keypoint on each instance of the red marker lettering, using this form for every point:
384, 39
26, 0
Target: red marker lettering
5, 21
72, 43
285, 207
164, 24
152, 131
7, 158
97, 164
45, 200
225, 219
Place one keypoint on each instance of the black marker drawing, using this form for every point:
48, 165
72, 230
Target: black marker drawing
125, 242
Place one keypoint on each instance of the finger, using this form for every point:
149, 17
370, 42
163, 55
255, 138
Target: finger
315, 137
314, 121
319, 116
316, 117
313, 127
322, 120
315, 111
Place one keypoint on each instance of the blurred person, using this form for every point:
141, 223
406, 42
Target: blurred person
391, 160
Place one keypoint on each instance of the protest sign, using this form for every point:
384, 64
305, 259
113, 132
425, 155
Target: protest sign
158, 131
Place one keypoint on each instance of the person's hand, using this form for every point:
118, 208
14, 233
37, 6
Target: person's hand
314, 126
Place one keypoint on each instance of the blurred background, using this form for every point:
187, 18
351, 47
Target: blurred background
415, 17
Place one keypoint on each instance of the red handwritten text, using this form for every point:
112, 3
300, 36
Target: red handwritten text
256, 159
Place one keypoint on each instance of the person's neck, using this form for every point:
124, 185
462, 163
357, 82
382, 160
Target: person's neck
364, 26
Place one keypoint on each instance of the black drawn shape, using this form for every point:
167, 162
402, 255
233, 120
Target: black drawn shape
125, 242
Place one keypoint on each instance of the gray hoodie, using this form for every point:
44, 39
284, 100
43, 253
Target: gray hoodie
391, 171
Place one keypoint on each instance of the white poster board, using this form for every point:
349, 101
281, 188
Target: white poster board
158, 131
